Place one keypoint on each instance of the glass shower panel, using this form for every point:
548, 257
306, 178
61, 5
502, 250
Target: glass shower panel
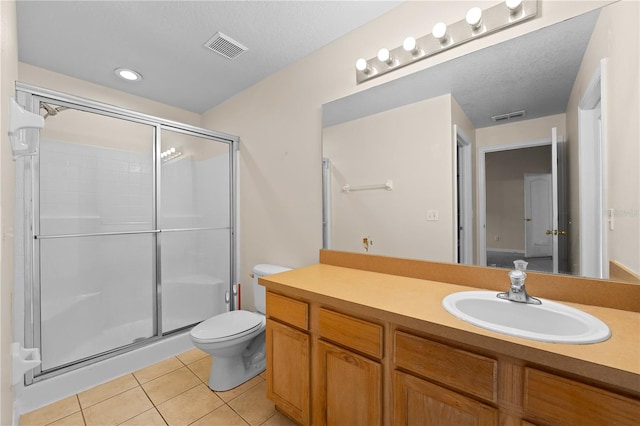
195, 276
97, 294
196, 191
95, 234
96, 173
195, 203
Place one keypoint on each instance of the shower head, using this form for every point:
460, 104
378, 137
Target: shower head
51, 111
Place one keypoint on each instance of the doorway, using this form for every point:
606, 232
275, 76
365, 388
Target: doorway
502, 202
463, 196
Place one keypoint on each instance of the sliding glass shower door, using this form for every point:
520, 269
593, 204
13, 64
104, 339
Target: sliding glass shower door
128, 230
195, 225
95, 232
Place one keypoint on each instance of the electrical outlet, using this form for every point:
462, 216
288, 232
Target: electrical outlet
432, 215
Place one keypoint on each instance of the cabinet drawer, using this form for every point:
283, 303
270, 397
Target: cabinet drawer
288, 310
362, 336
465, 371
561, 401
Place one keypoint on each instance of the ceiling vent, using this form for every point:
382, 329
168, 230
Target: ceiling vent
224, 45
509, 116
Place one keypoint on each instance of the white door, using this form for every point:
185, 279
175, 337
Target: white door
536, 245
537, 210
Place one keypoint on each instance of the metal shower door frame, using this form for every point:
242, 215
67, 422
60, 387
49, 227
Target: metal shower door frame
29, 97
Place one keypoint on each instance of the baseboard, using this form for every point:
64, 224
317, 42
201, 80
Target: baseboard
503, 250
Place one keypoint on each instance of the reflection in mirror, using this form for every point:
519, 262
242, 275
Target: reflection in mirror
461, 178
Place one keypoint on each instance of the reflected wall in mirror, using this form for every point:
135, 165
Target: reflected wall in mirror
431, 134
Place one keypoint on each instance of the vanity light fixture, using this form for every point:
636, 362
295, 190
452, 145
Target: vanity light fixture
170, 154
477, 23
128, 74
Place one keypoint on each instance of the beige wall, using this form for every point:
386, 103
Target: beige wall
372, 150
615, 36
8, 71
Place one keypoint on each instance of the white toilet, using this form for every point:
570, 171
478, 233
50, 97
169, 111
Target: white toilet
236, 339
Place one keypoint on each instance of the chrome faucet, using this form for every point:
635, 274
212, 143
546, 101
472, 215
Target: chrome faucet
517, 291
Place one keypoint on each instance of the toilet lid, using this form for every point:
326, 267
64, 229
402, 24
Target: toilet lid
227, 325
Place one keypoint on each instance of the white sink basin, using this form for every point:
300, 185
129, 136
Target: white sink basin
549, 322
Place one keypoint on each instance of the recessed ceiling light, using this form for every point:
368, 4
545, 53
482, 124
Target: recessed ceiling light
127, 74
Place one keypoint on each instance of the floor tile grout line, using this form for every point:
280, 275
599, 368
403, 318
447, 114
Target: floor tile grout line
155, 407
84, 420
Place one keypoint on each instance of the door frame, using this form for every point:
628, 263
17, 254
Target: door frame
463, 201
592, 174
482, 188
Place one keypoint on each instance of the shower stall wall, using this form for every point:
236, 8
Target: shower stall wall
128, 230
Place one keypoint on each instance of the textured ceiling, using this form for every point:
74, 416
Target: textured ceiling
163, 41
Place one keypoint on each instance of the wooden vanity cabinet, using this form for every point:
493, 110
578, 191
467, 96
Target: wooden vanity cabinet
288, 356
326, 367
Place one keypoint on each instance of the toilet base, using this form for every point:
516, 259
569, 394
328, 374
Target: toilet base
229, 372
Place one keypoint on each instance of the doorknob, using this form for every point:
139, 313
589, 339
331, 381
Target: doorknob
562, 232
550, 232
528, 219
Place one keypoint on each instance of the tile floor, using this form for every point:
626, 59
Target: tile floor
171, 392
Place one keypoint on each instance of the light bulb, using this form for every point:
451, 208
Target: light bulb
384, 55
440, 32
474, 17
514, 6
361, 64
409, 44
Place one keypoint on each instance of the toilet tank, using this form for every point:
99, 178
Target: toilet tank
259, 293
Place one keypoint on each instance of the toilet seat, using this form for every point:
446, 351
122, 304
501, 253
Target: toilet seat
227, 326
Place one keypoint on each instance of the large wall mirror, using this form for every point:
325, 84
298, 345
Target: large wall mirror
524, 149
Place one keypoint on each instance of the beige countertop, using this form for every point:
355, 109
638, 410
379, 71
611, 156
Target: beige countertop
417, 304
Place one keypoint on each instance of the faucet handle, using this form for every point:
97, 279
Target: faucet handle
520, 265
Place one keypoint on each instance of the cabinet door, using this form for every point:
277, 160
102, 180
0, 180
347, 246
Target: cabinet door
350, 387
288, 370
418, 402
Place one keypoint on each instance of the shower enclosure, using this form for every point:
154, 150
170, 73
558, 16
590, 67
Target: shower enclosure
128, 229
